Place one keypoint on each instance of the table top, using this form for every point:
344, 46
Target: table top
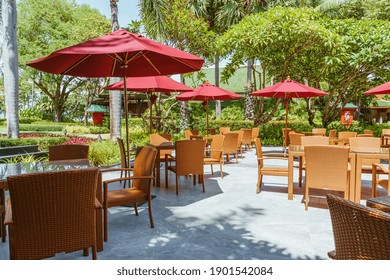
9, 169
382, 200
359, 150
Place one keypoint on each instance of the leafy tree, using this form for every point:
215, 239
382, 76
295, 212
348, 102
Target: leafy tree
45, 26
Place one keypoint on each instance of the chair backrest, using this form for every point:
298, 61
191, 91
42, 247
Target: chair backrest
230, 143
52, 212
239, 139
255, 132
365, 142
386, 131
189, 157
216, 146
157, 139
327, 167
319, 131
359, 232
333, 133
347, 134
188, 133
223, 130
314, 140
143, 166
246, 136
122, 150
64, 152
368, 131
212, 131
295, 138
259, 151
286, 138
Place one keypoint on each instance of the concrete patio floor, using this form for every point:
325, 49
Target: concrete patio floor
227, 222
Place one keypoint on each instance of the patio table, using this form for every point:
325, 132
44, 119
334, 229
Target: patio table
381, 203
8, 169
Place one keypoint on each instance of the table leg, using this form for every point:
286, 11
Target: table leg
358, 178
290, 187
157, 167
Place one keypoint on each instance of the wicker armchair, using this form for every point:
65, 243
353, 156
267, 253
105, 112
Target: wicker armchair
247, 138
269, 170
295, 138
188, 133
215, 153
224, 129
64, 152
2, 212
52, 212
239, 141
189, 159
319, 131
157, 139
230, 145
140, 183
327, 168
377, 168
360, 232
345, 135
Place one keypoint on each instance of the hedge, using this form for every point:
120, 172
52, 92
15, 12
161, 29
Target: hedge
40, 127
42, 142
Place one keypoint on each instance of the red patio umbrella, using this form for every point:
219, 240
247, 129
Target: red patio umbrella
381, 89
150, 84
206, 92
289, 89
118, 54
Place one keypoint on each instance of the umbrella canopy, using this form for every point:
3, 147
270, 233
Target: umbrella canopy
118, 54
382, 89
150, 84
206, 92
289, 89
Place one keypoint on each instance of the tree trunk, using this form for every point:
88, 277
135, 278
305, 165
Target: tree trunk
217, 102
115, 99
249, 100
184, 115
10, 70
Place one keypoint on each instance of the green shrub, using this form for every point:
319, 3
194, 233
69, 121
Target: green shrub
271, 133
104, 152
29, 120
26, 158
234, 125
42, 142
40, 127
98, 130
77, 129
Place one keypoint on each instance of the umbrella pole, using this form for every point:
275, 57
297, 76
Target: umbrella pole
207, 117
150, 114
286, 126
126, 117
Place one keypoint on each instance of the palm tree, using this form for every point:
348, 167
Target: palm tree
10, 67
115, 99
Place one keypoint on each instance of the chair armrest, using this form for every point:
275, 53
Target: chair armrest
8, 213
97, 204
106, 182
116, 169
277, 158
378, 166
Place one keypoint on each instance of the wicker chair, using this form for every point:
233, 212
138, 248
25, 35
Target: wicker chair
64, 152
370, 132
239, 141
295, 138
267, 169
188, 133
366, 142
385, 137
230, 145
319, 131
223, 130
383, 182
286, 139
124, 159
52, 212
215, 153
2, 212
189, 159
345, 135
247, 138
327, 168
360, 232
140, 182
332, 134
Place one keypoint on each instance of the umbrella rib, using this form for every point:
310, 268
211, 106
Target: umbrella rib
151, 63
182, 62
75, 65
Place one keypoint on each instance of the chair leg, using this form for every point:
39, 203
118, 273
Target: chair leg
202, 179
306, 197
3, 231
136, 208
150, 212
211, 166
194, 176
259, 181
220, 168
166, 177
300, 172
86, 252
105, 224
374, 180
177, 185
94, 254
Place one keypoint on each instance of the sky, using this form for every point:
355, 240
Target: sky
127, 9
